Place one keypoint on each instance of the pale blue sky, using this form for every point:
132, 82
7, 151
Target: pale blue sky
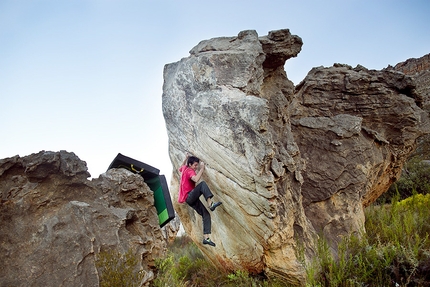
87, 76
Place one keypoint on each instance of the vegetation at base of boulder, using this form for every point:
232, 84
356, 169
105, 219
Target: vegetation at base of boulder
394, 251
415, 178
118, 269
185, 265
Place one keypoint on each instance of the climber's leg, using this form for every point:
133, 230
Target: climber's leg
201, 210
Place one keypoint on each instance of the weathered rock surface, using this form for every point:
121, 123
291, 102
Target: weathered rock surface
287, 162
55, 222
419, 69
414, 66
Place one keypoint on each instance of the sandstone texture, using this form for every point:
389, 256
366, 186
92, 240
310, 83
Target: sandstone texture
289, 163
419, 70
414, 66
55, 222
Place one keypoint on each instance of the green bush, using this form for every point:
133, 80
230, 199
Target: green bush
394, 251
185, 265
415, 178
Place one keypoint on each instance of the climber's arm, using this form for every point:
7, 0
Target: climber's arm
197, 177
187, 155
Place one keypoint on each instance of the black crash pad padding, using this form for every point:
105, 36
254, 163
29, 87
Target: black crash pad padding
145, 170
157, 183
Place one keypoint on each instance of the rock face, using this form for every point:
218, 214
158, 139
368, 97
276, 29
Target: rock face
414, 66
287, 162
55, 222
419, 69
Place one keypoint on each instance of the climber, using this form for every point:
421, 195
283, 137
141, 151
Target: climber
189, 192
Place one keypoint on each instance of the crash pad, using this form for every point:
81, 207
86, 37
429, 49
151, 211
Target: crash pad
156, 182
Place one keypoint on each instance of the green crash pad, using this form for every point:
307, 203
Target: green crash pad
156, 182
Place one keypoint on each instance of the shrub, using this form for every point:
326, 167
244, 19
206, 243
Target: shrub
185, 265
394, 251
415, 178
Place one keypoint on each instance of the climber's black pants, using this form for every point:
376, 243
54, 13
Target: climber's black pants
194, 201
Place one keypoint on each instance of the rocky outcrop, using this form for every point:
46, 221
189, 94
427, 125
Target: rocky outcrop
419, 69
289, 163
414, 66
55, 223
355, 128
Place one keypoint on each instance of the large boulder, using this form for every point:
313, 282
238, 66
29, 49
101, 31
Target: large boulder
289, 163
55, 224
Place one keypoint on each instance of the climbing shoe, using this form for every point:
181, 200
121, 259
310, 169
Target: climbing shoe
215, 205
208, 241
